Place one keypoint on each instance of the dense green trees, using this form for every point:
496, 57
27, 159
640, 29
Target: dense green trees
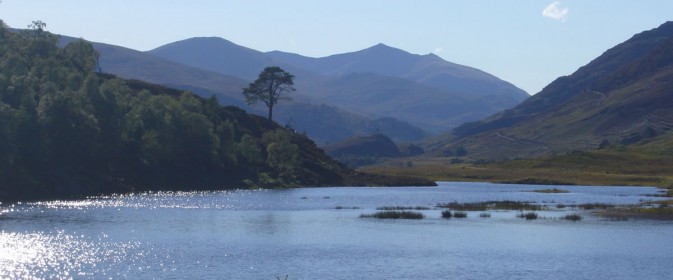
66, 130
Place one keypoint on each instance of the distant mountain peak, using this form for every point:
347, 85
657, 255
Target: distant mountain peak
207, 38
200, 42
384, 49
666, 25
215, 54
381, 46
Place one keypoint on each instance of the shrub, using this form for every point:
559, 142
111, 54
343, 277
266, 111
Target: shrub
528, 215
573, 217
446, 214
460, 214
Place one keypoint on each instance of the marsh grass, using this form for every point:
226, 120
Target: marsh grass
492, 205
528, 215
573, 217
537, 181
395, 215
554, 190
446, 214
346, 208
460, 214
593, 206
393, 208
652, 210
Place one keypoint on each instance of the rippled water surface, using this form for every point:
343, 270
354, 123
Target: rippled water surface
317, 233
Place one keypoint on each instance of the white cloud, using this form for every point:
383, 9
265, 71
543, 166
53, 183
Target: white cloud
555, 11
438, 50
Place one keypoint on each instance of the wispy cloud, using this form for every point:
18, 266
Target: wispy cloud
555, 11
438, 50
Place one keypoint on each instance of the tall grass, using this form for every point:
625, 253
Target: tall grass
392, 208
447, 214
554, 190
592, 206
395, 215
492, 205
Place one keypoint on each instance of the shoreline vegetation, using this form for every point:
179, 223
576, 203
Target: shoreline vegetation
629, 167
653, 210
554, 190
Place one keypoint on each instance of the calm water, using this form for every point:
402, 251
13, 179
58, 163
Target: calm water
300, 233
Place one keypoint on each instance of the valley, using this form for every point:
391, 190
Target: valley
336, 139
585, 128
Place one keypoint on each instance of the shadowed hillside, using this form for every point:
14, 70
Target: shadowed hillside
622, 97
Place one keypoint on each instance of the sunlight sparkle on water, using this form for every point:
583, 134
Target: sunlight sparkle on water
57, 256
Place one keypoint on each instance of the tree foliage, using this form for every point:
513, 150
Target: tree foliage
66, 130
272, 85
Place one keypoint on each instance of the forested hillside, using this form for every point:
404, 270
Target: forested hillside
67, 131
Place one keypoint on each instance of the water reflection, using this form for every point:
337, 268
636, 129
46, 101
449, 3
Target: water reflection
268, 223
59, 255
262, 234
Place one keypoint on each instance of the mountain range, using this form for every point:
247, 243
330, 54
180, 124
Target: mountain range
377, 90
380, 81
621, 98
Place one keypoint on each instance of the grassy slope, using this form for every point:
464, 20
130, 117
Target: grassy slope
643, 165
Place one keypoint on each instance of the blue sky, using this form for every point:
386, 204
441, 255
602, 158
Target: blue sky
526, 42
